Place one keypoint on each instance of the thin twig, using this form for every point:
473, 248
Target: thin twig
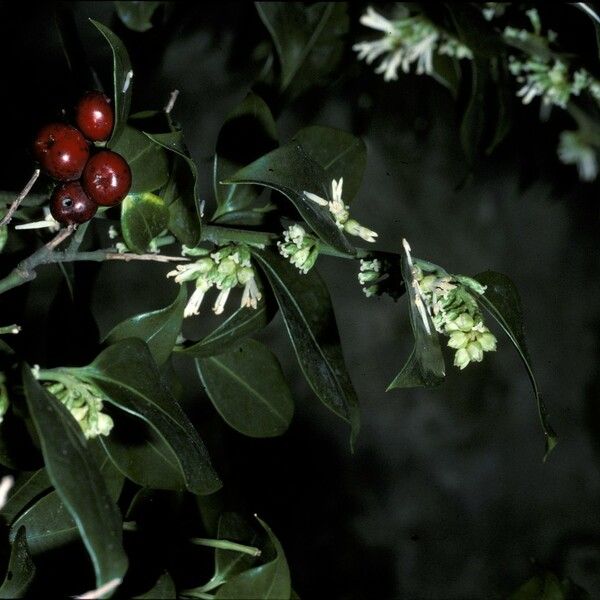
171, 103
60, 237
100, 255
13, 207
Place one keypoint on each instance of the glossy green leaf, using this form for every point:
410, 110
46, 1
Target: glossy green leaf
339, 153
229, 563
143, 217
128, 376
137, 15
248, 132
142, 455
502, 301
122, 80
425, 365
77, 478
242, 323
185, 216
308, 40
148, 162
48, 524
21, 569
291, 171
248, 389
159, 328
267, 581
164, 589
27, 487
308, 314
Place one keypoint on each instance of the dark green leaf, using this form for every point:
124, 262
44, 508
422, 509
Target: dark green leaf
142, 455
291, 171
425, 366
542, 587
148, 162
128, 376
122, 82
502, 301
248, 132
271, 580
308, 41
339, 153
242, 323
77, 478
21, 569
137, 15
446, 70
184, 187
248, 389
48, 524
164, 589
472, 127
308, 314
26, 489
159, 328
143, 217
228, 563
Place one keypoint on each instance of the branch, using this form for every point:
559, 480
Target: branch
25, 271
13, 207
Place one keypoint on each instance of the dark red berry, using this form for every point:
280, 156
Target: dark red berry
94, 116
106, 178
70, 204
61, 151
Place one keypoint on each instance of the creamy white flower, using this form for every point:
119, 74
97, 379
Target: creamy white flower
219, 306
320, 201
195, 301
251, 294
354, 228
573, 149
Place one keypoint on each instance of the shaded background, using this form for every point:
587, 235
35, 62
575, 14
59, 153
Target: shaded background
446, 495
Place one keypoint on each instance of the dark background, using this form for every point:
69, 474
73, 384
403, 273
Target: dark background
446, 495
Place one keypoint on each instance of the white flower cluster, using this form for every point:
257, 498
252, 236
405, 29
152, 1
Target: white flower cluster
552, 81
84, 401
341, 212
406, 41
492, 10
224, 269
544, 75
370, 274
300, 247
573, 149
456, 314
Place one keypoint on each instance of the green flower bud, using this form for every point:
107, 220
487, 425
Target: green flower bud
464, 322
458, 339
461, 358
427, 284
475, 351
245, 274
105, 424
367, 277
80, 412
227, 267
487, 341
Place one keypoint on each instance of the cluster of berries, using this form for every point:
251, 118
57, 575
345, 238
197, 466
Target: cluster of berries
86, 180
